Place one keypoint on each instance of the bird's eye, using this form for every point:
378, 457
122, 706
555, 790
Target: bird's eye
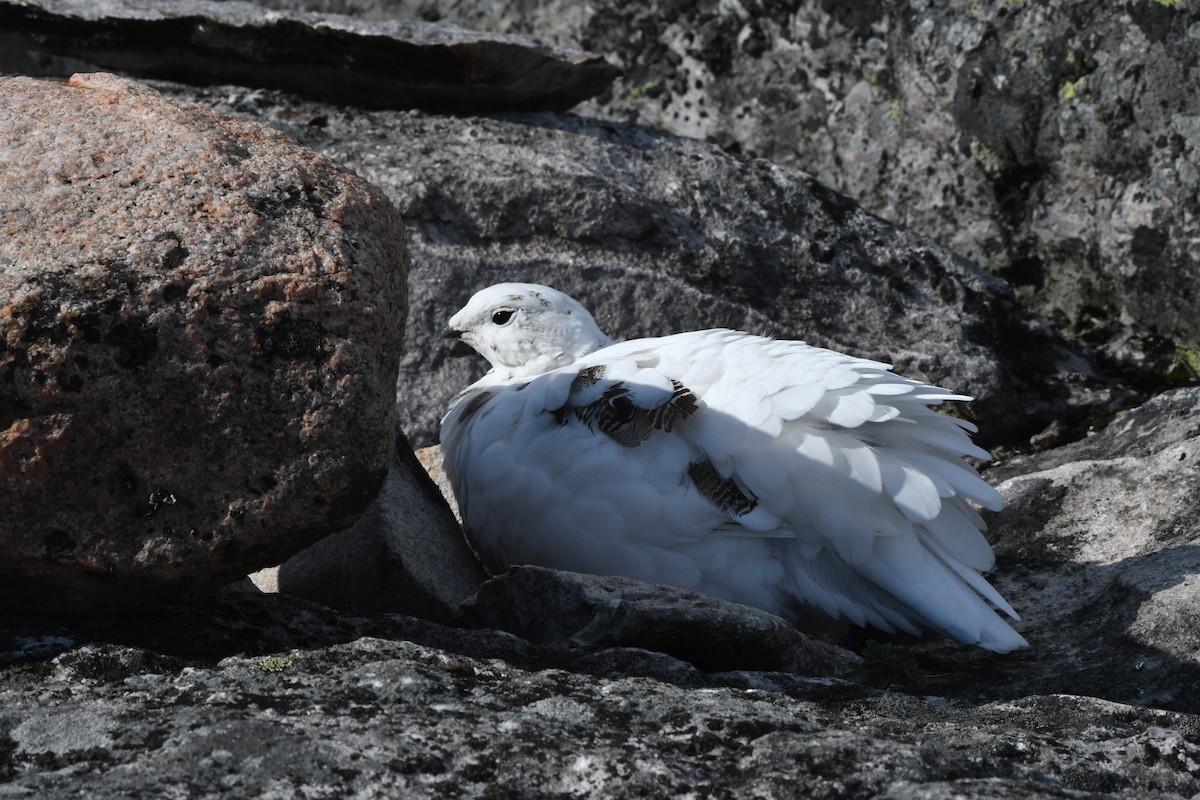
502, 316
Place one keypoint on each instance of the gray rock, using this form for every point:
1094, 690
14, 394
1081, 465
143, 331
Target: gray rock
1057, 144
388, 706
393, 64
199, 329
406, 553
1167, 419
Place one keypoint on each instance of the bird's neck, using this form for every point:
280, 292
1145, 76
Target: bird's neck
541, 362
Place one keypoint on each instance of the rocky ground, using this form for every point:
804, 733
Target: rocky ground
1052, 147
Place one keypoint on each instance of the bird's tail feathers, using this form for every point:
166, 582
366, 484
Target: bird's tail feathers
909, 584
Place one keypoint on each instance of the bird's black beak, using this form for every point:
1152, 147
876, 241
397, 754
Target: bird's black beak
458, 348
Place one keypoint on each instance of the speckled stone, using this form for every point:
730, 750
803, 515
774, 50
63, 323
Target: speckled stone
200, 325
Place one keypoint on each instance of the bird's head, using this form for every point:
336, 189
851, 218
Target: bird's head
525, 329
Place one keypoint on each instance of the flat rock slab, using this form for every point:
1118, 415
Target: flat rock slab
338, 59
200, 326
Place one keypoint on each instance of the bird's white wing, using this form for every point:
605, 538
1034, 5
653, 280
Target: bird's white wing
767, 472
851, 459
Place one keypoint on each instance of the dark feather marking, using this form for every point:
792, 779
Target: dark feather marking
616, 409
621, 420
477, 401
562, 415
721, 492
681, 405
616, 415
586, 377
600, 412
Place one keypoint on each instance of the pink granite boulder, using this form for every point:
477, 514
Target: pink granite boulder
200, 328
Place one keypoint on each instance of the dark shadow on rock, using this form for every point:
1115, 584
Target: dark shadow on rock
589, 612
654, 632
602, 130
1080, 639
614, 627
337, 59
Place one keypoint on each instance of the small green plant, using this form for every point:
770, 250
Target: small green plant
274, 663
1190, 355
894, 111
643, 89
880, 668
989, 160
1072, 89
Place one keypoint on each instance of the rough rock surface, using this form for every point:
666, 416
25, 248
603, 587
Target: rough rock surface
430, 459
264, 695
199, 330
1055, 143
395, 64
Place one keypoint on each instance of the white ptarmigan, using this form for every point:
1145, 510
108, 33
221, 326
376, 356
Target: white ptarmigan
770, 473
